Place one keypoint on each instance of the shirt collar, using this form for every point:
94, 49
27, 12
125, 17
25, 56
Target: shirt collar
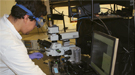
11, 26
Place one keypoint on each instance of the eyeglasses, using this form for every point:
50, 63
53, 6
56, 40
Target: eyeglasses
40, 21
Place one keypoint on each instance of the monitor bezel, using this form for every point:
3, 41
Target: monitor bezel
114, 54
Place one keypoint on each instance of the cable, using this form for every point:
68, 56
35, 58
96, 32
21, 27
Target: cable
111, 7
126, 65
79, 29
102, 22
99, 24
106, 8
94, 15
125, 49
104, 25
79, 26
59, 12
86, 18
129, 41
99, 19
134, 30
129, 56
79, 18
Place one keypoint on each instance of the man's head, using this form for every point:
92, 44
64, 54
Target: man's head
36, 7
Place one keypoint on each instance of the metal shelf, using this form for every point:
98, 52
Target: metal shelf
60, 3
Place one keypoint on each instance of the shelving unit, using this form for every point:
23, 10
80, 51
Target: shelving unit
125, 32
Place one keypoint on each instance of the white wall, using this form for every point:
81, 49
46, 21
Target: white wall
70, 26
5, 6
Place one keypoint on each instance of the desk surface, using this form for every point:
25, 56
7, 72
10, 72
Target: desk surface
44, 67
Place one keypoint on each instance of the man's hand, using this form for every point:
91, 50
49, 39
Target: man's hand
36, 55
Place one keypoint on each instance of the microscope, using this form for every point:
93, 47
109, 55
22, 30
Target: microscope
65, 49
55, 49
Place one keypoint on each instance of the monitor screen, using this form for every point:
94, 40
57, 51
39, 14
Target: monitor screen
103, 53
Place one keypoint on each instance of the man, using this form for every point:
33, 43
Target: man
14, 60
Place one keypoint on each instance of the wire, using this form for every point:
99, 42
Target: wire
59, 12
129, 56
134, 30
101, 21
86, 18
126, 65
104, 25
99, 24
79, 18
126, 50
79, 25
126, 60
94, 15
106, 8
111, 7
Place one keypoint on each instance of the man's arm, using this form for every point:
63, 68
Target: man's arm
16, 58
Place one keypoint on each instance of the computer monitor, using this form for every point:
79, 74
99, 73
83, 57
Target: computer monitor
103, 53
